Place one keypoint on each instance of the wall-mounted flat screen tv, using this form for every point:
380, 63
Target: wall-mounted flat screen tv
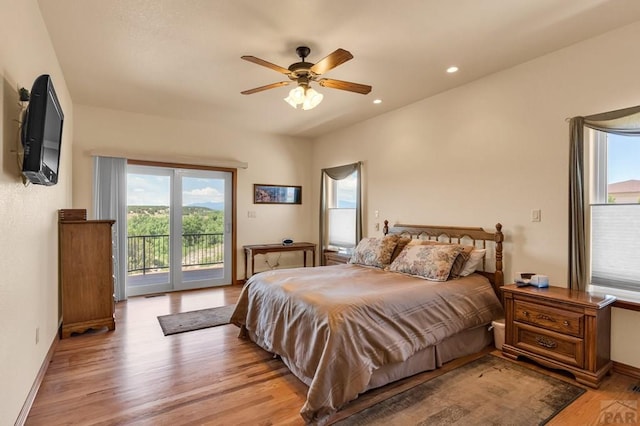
42, 133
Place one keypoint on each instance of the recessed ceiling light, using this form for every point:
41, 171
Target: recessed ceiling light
451, 70
377, 101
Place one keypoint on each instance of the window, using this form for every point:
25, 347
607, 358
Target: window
341, 205
615, 214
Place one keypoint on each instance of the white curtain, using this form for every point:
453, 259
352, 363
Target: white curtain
110, 202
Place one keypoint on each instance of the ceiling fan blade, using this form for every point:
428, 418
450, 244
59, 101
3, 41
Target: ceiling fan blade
266, 64
344, 85
267, 87
331, 61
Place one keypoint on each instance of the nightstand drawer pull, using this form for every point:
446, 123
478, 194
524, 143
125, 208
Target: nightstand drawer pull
565, 323
546, 317
525, 313
547, 343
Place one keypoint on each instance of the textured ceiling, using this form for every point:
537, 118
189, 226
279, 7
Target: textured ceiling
181, 58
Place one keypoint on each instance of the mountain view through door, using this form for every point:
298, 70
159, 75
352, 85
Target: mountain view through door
178, 226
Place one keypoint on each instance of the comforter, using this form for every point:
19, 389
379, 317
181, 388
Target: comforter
338, 324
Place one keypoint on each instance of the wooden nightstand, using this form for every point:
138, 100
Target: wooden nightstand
335, 258
559, 328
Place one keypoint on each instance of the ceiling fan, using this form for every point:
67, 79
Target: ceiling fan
303, 73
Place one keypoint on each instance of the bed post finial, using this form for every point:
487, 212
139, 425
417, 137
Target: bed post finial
385, 230
499, 239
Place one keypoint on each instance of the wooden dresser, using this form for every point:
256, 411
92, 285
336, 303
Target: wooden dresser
86, 273
335, 258
559, 328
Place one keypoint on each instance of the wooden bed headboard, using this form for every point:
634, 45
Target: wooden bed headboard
476, 237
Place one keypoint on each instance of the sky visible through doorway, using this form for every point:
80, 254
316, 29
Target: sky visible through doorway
153, 190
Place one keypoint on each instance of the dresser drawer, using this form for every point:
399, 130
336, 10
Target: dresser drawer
566, 349
562, 321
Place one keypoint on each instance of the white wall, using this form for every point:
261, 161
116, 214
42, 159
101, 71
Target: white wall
494, 150
271, 159
28, 215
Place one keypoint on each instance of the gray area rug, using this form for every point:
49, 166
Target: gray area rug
487, 391
195, 320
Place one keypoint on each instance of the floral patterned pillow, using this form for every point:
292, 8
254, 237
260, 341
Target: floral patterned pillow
461, 260
374, 251
431, 262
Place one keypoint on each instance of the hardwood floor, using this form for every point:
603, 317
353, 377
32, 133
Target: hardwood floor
135, 375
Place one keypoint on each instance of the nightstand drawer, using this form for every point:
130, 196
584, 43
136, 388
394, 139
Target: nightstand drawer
566, 349
562, 321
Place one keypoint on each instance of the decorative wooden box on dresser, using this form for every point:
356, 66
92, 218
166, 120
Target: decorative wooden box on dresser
335, 258
86, 272
559, 328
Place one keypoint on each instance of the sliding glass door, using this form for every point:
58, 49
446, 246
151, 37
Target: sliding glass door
179, 229
204, 219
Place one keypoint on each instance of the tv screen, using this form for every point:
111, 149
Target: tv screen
42, 133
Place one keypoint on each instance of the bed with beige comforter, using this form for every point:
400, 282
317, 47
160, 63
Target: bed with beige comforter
335, 326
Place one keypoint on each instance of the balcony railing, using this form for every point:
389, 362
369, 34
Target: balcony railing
151, 252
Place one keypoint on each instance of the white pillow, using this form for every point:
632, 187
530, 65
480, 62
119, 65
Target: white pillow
475, 257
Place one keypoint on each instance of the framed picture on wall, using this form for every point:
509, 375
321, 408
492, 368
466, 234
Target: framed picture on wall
277, 194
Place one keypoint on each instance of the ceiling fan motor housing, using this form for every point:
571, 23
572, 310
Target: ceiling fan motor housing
301, 70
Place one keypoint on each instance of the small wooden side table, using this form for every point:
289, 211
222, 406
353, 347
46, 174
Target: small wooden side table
250, 251
559, 328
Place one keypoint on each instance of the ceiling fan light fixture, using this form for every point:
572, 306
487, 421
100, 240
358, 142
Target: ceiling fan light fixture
297, 94
305, 96
290, 101
312, 99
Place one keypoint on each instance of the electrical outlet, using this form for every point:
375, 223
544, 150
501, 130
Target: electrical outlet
251, 214
377, 226
37, 335
377, 214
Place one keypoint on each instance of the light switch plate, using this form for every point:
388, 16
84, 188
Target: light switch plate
536, 215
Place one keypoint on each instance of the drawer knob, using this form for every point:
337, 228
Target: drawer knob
525, 313
547, 343
546, 317
566, 323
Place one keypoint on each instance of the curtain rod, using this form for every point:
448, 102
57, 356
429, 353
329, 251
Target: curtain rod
165, 158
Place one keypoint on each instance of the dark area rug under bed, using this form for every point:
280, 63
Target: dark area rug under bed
487, 391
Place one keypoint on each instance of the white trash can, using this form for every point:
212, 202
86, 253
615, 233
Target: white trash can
498, 333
